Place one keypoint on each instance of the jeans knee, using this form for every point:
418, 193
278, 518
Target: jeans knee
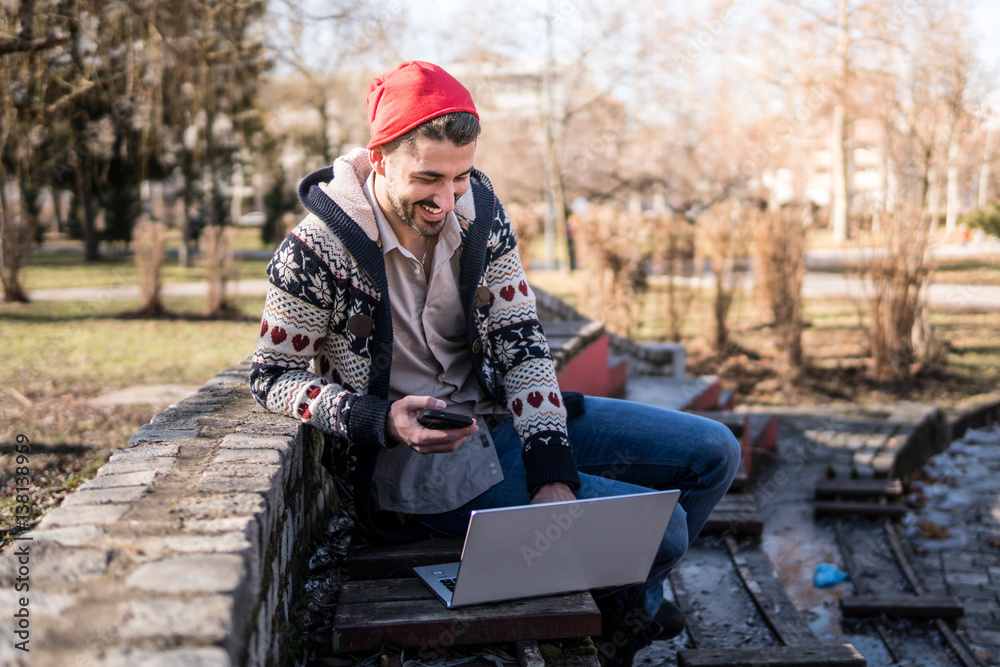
725, 449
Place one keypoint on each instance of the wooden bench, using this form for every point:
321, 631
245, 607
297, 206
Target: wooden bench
384, 604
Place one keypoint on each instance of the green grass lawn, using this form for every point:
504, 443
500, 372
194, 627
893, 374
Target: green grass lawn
84, 348
58, 270
59, 263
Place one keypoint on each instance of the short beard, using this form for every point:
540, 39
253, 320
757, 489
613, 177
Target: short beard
407, 215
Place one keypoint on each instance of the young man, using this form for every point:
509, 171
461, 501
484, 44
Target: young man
402, 291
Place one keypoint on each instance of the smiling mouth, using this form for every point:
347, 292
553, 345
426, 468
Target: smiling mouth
430, 208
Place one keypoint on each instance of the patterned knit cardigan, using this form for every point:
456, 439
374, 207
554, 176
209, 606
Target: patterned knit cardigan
325, 345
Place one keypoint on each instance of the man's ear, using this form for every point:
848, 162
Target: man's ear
377, 157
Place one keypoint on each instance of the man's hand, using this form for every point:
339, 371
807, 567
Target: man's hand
553, 492
401, 425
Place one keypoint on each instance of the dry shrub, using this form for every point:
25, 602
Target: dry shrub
527, 221
894, 273
612, 247
725, 230
148, 240
673, 251
216, 244
780, 244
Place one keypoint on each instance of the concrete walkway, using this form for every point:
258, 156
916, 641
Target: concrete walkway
816, 285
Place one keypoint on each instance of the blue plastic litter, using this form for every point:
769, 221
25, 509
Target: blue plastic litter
827, 575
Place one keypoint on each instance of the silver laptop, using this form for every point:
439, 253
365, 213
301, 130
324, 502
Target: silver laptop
533, 550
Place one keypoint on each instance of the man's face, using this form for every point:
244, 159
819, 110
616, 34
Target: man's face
422, 185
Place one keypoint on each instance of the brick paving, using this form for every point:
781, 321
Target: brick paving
963, 494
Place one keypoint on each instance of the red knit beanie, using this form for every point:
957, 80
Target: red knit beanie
411, 94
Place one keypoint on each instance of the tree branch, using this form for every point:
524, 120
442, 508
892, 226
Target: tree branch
20, 45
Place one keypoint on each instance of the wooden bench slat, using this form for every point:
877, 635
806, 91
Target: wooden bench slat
833, 655
425, 622
384, 590
853, 508
740, 523
379, 561
910, 606
858, 488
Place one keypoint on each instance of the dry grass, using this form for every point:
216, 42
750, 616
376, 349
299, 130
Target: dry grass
837, 363
60, 355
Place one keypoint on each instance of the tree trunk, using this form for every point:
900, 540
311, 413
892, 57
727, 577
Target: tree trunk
11, 249
57, 210
933, 198
952, 201
557, 225
839, 211
984, 171
83, 173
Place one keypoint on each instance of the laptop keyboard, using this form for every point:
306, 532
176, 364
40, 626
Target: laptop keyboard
449, 583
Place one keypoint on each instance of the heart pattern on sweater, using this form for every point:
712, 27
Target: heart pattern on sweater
300, 342
278, 335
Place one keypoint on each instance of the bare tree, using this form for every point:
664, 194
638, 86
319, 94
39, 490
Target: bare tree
726, 232
893, 274
780, 248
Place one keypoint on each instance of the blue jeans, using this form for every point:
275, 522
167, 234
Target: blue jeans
620, 448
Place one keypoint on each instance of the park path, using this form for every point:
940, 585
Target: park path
817, 284
824, 279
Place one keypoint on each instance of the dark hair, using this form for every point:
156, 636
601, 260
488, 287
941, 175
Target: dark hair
459, 127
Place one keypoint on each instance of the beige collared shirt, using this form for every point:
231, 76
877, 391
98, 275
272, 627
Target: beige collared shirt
430, 357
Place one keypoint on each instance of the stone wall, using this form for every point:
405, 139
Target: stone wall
185, 549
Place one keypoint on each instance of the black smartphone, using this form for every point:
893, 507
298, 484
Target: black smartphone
443, 421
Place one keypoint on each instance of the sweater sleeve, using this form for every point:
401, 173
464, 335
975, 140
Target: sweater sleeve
526, 364
305, 295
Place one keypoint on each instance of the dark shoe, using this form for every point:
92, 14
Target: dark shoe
622, 635
668, 622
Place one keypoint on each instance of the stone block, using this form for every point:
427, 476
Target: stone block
229, 505
227, 485
222, 573
882, 464
157, 433
212, 656
255, 470
864, 456
83, 515
122, 494
71, 536
144, 451
55, 564
41, 603
122, 466
224, 543
277, 429
254, 441
181, 418
208, 618
968, 578
143, 478
268, 456
242, 525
